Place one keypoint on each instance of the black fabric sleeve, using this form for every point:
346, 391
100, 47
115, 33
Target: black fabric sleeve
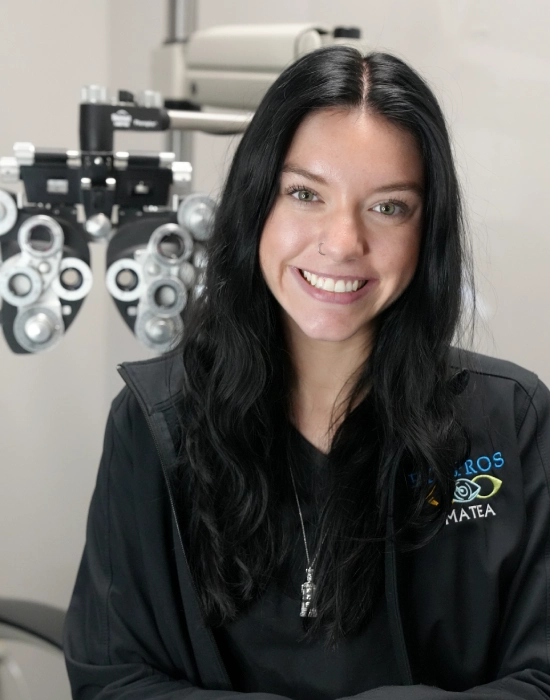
113, 647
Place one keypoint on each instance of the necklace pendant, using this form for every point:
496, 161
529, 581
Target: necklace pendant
308, 589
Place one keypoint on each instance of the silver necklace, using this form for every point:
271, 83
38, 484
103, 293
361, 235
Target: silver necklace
308, 587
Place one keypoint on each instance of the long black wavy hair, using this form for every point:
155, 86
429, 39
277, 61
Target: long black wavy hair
236, 498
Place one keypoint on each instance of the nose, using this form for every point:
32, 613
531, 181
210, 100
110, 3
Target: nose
344, 236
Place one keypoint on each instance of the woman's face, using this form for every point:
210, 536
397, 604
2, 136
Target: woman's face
351, 188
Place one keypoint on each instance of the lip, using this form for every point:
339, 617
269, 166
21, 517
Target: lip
333, 297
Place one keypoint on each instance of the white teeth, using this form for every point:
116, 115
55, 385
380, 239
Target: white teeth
331, 285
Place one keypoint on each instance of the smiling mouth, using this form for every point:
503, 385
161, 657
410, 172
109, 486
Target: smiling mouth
331, 284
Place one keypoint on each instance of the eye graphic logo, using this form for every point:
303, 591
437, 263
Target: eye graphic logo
467, 490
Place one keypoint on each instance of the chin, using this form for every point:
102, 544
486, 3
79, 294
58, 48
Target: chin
329, 333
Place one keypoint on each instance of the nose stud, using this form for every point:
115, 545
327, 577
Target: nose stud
319, 248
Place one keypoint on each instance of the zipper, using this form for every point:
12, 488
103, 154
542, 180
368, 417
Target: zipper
121, 370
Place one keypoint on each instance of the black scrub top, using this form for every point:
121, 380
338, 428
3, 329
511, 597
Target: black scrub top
263, 649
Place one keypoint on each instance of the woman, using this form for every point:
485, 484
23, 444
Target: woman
315, 497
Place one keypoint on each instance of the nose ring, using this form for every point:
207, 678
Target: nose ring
319, 248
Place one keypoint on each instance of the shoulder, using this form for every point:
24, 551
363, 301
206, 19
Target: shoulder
154, 382
493, 368
147, 413
505, 408
497, 387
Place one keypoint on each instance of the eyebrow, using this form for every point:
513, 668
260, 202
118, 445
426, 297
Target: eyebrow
304, 173
402, 187
392, 187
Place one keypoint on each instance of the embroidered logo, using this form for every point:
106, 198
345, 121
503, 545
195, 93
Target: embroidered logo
481, 487
478, 511
467, 490
473, 483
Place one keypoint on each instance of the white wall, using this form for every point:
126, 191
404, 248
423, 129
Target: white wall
51, 407
489, 62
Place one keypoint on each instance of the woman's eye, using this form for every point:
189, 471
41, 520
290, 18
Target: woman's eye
304, 195
389, 208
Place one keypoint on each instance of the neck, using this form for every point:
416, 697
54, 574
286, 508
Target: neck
325, 373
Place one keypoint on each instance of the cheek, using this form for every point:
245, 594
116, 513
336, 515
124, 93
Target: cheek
269, 251
399, 257
283, 237
268, 244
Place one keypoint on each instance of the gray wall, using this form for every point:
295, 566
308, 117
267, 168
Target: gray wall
489, 62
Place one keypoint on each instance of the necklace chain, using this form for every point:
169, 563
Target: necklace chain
308, 588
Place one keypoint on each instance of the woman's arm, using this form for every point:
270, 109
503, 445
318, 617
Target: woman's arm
125, 635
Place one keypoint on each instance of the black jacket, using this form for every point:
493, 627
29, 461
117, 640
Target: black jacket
469, 612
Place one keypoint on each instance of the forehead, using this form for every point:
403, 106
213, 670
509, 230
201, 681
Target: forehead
356, 144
